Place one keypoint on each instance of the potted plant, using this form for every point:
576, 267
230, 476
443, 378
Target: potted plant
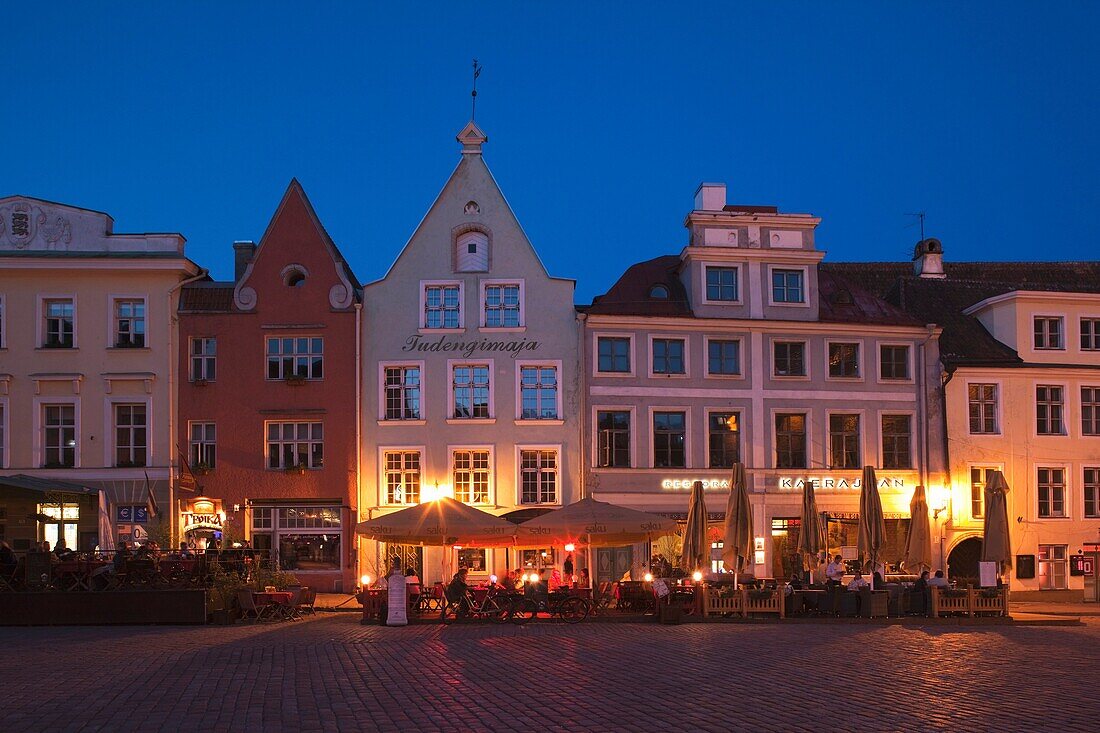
296, 380
223, 593
297, 469
202, 468
200, 382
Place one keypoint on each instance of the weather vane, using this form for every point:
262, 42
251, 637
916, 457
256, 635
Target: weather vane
473, 92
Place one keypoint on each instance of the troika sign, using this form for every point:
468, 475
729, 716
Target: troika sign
416, 342
193, 521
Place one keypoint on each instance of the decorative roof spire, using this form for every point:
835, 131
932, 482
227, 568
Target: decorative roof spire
471, 136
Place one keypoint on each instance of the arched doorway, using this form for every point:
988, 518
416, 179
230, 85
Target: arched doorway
963, 560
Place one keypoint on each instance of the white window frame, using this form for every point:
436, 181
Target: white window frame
294, 337
451, 419
772, 464
631, 353
740, 357
383, 489
805, 286
109, 445
633, 442
1096, 407
3, 322
1067, 488
491, 491
738, 266
807, 366
5, 433
999, 411
191, 443
558, 488
422, 318
382, 367
41, 318
1084, 486
863, 431
878, 362
112, 319
1064, 562
483, 285
970, 484
687, 355
688, 437
191, 356
914, 458
707, 412
556, 364
860, 362
1067, 421
309, 419
38, 446
1061, 318
1080, 332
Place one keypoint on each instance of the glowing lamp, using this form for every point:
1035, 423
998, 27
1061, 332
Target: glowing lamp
570, 547
648, 577
493, 578
697, 576
525, 576
364, 581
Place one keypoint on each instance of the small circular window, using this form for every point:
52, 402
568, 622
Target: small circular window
658, 292
294, 277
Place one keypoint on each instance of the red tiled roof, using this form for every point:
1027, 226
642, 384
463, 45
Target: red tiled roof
206, 297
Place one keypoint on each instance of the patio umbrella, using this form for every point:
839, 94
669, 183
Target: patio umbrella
593, 523
106, 536
811, 538
872, 524
737, 545
918, 540
696, 552
441, 522
996, 543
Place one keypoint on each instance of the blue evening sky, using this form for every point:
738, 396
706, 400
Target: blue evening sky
602, 118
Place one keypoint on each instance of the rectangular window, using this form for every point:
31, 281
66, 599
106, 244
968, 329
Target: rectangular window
613, 441
896, 438
844, 361
204, 359
669, 440
129, 323
295, 445
724, 357
1052, 567
894, 362
1090, 334
402, 476
1092, 492
471, 476
402, 385
1048, 333
2, 323
1090, 410
1052, 492
790, 440
983, 408
538, 476
473, 559
2, 437
502, 306
979, 478
1049, 407
722, 283
844, 445
59, 436
442, 306
203, 450
300, 357
309, 517
787, 286
724, 439
614, 354
470, 383
668, 356
131, 433
789, 358
59, 323
538, 393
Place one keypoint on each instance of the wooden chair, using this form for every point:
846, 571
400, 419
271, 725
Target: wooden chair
291, 612
605, 595
249, 609
307, 601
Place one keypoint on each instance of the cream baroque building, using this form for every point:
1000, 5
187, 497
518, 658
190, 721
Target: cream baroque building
87, 380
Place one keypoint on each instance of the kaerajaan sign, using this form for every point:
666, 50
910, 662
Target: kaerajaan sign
416, 342
828, 482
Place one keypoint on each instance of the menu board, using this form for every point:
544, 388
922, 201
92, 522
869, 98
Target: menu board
396, 607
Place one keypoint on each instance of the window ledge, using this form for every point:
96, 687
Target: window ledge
503, 329
63, 349
847, 380
471, 421
439, 331
128, 348
540, 422
887, 380
712, 375
402, 422
792, 377
615, 375
673, 375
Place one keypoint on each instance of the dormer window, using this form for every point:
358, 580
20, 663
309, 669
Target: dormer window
658, 292
472, 252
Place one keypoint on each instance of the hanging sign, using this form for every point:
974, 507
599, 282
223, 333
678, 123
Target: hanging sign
192, 521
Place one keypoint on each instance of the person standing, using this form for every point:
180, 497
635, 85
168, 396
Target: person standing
567, 568
834, 571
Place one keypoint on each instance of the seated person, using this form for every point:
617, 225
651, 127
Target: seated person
877, 580
921, 584
858, 583
184, 553
122, 554
939, 581
458, 588
584, 580
411, 578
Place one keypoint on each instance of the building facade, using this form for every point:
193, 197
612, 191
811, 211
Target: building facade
743, 348
470, 380
88, 377
268, 401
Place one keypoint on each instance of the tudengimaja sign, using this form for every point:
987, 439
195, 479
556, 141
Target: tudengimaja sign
416, 342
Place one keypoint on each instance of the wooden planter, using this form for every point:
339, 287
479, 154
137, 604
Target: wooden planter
946, 602
723, 605
995, 604
765, 602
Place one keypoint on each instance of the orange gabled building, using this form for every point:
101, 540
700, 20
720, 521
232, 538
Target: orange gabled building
268, 408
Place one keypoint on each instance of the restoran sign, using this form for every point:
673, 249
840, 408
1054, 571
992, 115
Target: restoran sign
685, 484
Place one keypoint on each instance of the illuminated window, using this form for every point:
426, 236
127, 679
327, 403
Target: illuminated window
844, 361
724, 439
538, 476
402, 476
471, 476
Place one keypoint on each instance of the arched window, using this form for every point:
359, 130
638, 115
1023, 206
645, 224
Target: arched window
658, 292
294, 277
472, 252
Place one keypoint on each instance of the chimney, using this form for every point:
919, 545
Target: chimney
710, 197
928, 259
242, 255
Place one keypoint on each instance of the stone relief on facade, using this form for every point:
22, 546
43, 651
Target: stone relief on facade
21, 223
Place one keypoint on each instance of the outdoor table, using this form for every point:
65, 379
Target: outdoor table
280, 600
71, 575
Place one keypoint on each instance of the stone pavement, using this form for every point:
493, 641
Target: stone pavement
329, 673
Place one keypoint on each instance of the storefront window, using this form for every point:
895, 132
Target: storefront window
309, 551
61, 524
844, 532
536, 559
304, 538
473, 559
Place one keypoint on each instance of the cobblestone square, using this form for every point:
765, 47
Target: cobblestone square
330, 673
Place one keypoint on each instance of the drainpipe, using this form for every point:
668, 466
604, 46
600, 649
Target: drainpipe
173, 321
582, 421
358, 431
944, 380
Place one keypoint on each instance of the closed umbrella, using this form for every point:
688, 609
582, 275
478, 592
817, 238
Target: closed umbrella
106, 536
441, 522
996, 543
594, 523
872, 524
696, 552
918, 540
737, 544
811, 539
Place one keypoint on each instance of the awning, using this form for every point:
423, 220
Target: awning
45, 485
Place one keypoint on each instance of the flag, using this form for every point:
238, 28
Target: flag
150, 500
187, 480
